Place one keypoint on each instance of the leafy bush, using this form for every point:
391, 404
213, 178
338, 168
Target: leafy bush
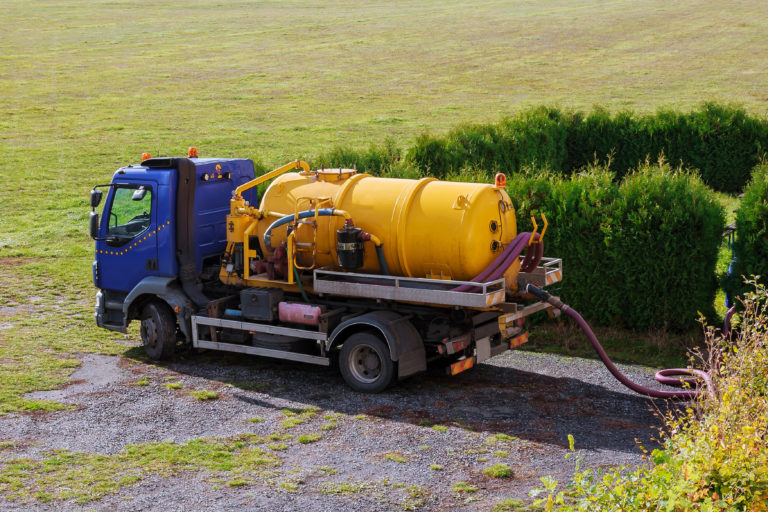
665, 237
714, 455
640, 254
751, 245
579, 211
723, 142
534, 137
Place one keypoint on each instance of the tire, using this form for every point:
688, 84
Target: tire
365, 363
158, 331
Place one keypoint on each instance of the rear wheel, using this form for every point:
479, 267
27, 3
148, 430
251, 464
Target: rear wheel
158, 330
365, 363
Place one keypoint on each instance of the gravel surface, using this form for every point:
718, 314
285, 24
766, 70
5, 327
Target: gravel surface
537, 399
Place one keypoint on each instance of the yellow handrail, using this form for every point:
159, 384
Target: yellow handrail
535, 229
546, 224
296, 164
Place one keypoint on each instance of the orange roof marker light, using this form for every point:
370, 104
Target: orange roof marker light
192, 152
501, 179
145, 156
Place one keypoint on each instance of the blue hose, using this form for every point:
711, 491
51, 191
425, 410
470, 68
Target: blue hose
324, 212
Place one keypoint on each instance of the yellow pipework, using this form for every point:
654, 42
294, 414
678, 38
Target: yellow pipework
297, 164
342, 213
267, 213
289, 242
375, 240
247, 250
535, 229
544, 229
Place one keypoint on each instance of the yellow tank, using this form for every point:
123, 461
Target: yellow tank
428, 228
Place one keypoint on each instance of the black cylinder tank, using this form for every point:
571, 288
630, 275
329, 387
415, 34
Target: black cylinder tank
349, 247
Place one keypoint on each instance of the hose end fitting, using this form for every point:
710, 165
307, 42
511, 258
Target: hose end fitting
544, 296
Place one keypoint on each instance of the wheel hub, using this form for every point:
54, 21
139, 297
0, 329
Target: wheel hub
365, 363
148, 332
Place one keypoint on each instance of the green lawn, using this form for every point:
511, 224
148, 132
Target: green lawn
87, 86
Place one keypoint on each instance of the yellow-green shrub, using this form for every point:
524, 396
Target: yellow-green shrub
715, 454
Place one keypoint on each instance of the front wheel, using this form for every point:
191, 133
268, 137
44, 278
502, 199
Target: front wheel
365, 363
158, 331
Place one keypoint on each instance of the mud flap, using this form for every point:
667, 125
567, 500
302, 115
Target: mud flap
412, 357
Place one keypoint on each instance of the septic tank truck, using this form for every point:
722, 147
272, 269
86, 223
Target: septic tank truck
384, 276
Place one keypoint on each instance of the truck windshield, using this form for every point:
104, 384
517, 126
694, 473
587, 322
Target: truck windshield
130, 213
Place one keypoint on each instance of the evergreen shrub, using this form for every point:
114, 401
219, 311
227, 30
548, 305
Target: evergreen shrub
640, 254
751, 245
723, 142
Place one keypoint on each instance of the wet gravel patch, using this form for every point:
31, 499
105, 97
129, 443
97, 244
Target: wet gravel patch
517, 408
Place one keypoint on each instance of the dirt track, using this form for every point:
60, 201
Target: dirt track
537, 399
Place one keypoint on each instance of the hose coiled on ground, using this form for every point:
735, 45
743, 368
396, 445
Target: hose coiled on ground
669, 376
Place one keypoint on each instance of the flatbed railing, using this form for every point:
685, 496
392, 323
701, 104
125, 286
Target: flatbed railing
409, 289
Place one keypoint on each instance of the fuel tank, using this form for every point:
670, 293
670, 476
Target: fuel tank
428, 228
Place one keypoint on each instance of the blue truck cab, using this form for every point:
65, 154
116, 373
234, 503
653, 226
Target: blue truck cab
161, 236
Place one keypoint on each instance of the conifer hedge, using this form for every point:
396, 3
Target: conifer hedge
640, 254
723, 142
751, 245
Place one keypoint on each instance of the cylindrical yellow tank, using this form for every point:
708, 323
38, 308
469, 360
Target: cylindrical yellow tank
428, 228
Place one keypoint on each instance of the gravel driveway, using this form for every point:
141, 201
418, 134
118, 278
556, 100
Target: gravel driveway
403, 449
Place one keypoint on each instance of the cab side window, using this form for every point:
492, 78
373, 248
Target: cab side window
129, 215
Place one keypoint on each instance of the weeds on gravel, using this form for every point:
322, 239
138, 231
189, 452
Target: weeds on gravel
396, 457
203, 394
296, 417
416, 497
309, 438
333, 420
464, 487
346, 488
714, 454
82, 477
508, 505
289, 486
499, 470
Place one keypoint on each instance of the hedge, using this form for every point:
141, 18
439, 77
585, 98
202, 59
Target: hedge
722, 142
640, 254
751, 244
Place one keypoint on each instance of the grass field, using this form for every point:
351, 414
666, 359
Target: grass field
86, 86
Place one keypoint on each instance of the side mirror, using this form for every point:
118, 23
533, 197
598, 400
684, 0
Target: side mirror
139, 194
96, 197
94, 225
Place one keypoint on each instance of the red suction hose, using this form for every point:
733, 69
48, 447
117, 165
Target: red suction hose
664, 376
510, 253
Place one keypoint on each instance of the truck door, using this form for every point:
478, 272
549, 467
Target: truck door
126, 251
